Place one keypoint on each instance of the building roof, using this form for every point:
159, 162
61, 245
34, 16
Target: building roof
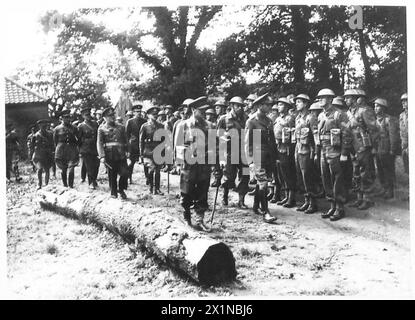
17, 93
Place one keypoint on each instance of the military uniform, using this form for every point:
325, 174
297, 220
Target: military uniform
112, 145
334, 141
12, 155
87, 137
267, 150
305, 125
387, 149
403, 127
194, 177
66, 152
30, 147
229, 125
147, 146
362, 120
43, 148
284, 127
132, 130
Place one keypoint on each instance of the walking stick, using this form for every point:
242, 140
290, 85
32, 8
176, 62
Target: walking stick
214, 205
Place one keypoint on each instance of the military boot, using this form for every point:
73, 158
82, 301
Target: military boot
357, 202
283, 201
291, 200
331, 211
255, 207
64, 179
157, 184
339, 213
305, 205
71, 177
225, 196
277, 196
150, 179
268, 218
146, 174
312, 208
241, 202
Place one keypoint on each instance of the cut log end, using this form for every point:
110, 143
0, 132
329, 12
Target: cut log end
217, 265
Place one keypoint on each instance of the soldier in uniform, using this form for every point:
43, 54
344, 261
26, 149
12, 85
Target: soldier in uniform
43, 148
305, 125
362, 121
266, 149
334, 143
30, 146
210, 117
112, 147
220, 107
147, 145
388, 148
403, 126
66, 152
250, 109
87, 137
12, 153
274, 113
98, 117
229, 125
195, 171
347, 166
132, 130
284, 127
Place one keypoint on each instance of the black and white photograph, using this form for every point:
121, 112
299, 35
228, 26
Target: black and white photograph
233, 150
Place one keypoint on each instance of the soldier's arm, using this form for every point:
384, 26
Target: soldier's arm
403, 133
313, 126
141, 139
346, 134
128, 129
100, 143
369, 117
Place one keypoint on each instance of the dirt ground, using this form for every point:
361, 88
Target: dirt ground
366, 254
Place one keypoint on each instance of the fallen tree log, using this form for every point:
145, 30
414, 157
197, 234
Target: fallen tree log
203, 259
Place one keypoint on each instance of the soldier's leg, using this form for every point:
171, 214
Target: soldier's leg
145, 168
357, 184
186, 189
301, 161
157, 180
229, 176
339, 190
283, 183
277, 184
8, 165
71, 176
243, 186
388, 168
289, 173
84, 170
123, 172
367, 175
201, 196
328, 186
47, 176
261, 176
64, 176
131, 169
112, 178
39, 178
94, 171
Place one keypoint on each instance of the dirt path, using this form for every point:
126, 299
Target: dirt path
50, 256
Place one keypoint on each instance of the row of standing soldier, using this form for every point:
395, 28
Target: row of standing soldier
333, 143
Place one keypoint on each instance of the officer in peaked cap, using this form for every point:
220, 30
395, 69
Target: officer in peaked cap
362, 120
266, 148
87, 137
65, 137
284, 127
230, 125
43, 148
334, 142
132, 131
387, 148
403, 125
147, 145
306, 124
195, 174
112, 147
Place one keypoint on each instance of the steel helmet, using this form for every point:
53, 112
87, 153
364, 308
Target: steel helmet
302, 96
338, 101
285, 101
237, 100
220, 102
187, 102
251, 97
350, 92
316, 106
382, 102
325, 93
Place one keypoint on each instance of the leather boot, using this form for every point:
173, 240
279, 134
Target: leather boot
146, 174
225, 196
64, 179
331, 211
241, 202
305, 205
339, 213
255, 207
283, 201
357, 202
268, 218
312, 208
150, 179
277, 196
71, 177
291, 200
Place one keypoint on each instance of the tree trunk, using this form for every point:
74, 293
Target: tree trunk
300, 18
201, 258
368, 73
